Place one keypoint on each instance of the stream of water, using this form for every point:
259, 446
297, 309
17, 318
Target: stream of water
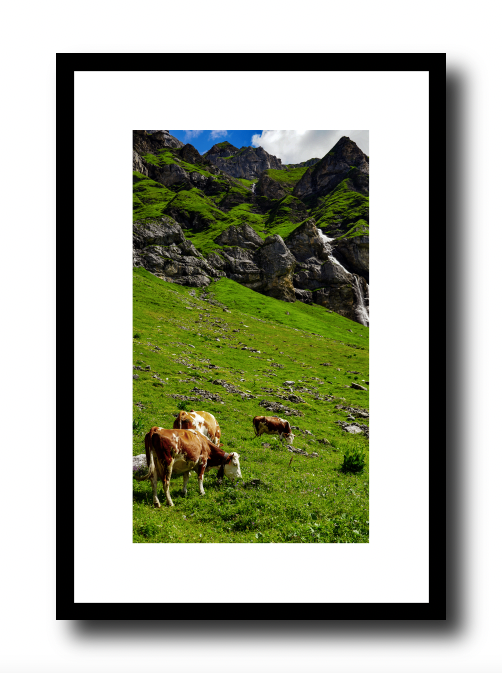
361, 309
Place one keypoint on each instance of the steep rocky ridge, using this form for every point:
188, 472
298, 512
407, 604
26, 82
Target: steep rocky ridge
292, 236
328, 173
248, 162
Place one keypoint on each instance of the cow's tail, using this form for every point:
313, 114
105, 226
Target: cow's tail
255, 423
149, 455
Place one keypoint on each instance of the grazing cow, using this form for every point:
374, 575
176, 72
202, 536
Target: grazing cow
202, 421
273, 425
179, 451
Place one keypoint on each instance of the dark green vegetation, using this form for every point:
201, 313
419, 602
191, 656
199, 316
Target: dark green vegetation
344, 212
224, 201
188, 339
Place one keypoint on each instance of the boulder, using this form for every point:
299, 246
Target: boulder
244, 236
276, 269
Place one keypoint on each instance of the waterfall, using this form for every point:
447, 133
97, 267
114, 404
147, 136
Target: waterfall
253, 186
361, 308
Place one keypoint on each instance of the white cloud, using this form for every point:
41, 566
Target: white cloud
192, 134
292, 147
218, 134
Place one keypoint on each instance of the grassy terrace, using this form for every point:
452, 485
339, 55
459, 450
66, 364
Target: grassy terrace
287, 178
300, 500
345, 208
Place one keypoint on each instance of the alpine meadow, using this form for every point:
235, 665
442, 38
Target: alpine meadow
250, 344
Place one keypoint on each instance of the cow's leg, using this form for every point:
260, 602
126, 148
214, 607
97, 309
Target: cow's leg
167, 481
201, 479
153, 480
186, 475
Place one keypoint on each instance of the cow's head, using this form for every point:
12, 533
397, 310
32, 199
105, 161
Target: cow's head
232, 469
289, 438
186, 420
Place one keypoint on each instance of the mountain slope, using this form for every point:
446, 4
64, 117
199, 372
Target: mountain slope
239, 354
228, 200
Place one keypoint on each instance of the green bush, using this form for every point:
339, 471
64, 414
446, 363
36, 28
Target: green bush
184, 406
353, 460
137, 425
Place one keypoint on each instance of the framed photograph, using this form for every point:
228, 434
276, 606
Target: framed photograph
246, 326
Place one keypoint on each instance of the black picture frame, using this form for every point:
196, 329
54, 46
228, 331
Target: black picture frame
66, 607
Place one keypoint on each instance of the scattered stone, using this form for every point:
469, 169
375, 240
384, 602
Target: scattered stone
276, 407
205, 394
301, 452
135, 376
267, 446
357, 386
355, 428
139, 466
184, 398
288, 383
324, 441
230, 388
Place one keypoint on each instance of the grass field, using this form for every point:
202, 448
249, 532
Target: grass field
185, 338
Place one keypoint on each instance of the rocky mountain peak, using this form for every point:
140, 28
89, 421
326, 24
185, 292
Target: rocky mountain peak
224, 149
190, 154
248, 162
344, 160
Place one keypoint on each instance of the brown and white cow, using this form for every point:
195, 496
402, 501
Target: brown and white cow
179, 451
202, 421
273, 425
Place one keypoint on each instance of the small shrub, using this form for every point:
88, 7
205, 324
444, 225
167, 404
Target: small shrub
184, 406
353, 460
137, 425
146, 529
136, 335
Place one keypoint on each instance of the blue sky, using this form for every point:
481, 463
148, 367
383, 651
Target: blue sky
204, 140
291, 147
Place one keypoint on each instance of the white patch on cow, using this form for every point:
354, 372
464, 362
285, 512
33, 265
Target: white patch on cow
233, 469
159, 429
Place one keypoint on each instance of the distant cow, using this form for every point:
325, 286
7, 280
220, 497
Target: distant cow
202, 421
179, 451
273, 425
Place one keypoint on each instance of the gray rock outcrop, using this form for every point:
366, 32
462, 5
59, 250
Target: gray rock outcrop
354, 253
161, 248
144, 143
270, 188
276, 268
248, 162
244, 237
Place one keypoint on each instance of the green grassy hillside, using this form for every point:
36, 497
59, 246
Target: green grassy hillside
185, 338
343, 211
